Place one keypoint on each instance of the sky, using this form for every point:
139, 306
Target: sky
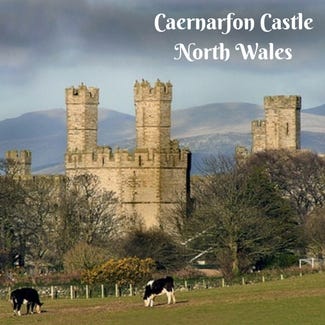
47, 46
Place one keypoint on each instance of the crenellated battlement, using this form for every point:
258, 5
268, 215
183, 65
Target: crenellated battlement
105, 157
20, 161
82, 95
281, 101
281, 127
20, 155
160, 91
147, 180
258, 124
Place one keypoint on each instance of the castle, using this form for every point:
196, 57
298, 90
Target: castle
153, 178
148, 181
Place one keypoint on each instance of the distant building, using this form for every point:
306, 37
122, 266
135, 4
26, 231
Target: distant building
148, 181
279, 130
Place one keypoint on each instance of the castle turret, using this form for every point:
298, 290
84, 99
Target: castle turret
282, 116
258, 135
82, 114
148, 181
153, 106
19, 162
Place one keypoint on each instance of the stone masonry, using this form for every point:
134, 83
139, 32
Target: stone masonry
279, 130
281, 127
148, 181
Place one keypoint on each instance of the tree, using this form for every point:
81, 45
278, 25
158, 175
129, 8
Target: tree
83, 257
315, 232
88, 212
155, 244
39, 221
239, 215
299, 176
12, 200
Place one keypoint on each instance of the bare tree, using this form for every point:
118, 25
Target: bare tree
38, 221
11, 202
83, 257
240, 217
88, 212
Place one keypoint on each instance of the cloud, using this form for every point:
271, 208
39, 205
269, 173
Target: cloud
37, 31
50, 44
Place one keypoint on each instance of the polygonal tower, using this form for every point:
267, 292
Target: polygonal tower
82, 114
282, 122
281, 127
19, 162
152, 107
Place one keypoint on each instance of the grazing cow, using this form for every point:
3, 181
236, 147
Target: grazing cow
158, 287
27, 296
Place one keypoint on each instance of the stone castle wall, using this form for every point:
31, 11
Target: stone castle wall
281, 127
146, 181
20, 162
150, 180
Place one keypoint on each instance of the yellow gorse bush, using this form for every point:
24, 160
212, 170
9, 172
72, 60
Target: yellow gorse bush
129, 270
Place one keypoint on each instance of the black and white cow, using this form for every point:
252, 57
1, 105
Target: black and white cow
27, 296
158, 287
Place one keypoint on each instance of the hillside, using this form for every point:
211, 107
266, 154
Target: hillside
319, 110
209, 129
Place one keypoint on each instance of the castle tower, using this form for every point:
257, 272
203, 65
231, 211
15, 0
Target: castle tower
82, 114
258, 135
152, 107
19, 162
149, 181
282, 118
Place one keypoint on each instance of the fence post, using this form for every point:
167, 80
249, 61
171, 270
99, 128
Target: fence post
263, 279
131, 290
281, 276
102, 289
71, 292
87, 291
117, 294
242, 280
223, 282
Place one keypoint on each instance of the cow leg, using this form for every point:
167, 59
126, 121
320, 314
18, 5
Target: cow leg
173, 297
17, 308
38, 309
32, 306
169, 297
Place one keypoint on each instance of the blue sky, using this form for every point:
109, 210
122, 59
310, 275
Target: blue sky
46, 46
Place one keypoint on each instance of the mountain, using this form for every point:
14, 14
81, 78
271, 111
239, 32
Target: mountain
214, 118
319, 110
208, 129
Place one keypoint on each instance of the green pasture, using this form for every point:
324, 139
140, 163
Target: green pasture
296, 300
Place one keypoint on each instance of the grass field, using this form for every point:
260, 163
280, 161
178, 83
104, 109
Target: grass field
299, 300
